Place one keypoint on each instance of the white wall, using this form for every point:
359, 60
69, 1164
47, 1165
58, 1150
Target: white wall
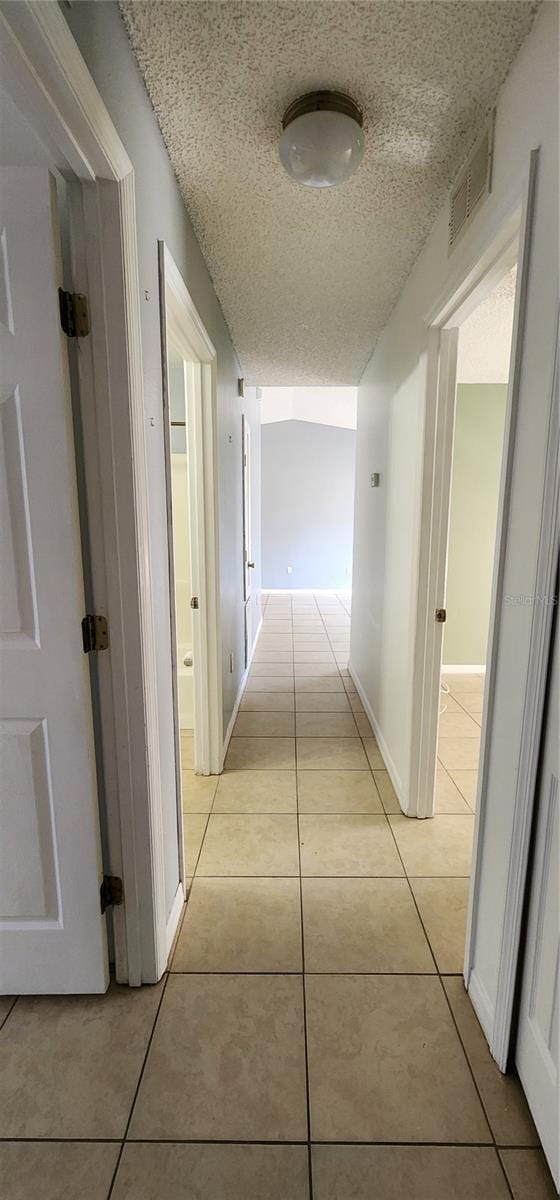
390, 439
478, 441
323, 405
307, 504
161, 214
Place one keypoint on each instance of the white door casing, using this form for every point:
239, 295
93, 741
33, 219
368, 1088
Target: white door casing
53, 935
537, 1048
182, 326
248, 565
506, 778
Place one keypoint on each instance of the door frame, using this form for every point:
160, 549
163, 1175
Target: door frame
246, 501
539, 1078
180, 320
508, 238
443, 339
45, 74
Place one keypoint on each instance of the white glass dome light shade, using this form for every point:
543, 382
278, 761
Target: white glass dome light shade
322, 141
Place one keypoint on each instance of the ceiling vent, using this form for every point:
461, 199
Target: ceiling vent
472, 186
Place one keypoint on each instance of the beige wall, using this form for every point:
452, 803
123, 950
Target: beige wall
477, 457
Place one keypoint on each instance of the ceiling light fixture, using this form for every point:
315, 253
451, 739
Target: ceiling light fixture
322, 140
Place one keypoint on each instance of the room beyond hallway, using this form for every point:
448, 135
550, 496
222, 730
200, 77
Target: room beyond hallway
461, 702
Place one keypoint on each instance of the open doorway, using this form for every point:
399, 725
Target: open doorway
183, 599
248, 561
473, 436
483, 363
189, 391
308, 453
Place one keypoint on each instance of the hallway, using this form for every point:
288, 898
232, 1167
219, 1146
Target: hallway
307, 875
242, 246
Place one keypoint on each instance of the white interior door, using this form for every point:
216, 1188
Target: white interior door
53, 935
538, 1031
248, 564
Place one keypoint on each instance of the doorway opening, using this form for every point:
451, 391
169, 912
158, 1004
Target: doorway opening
248, 560
472, 437
189, 401
479, 427
183, 599
308, 456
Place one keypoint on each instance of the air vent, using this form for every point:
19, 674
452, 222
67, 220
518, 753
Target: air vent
472, 186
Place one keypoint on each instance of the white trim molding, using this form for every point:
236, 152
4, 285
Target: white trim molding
533, 707
172, 925
472, 281
182, 324
239, 697
387, 758
526, 201
507, 237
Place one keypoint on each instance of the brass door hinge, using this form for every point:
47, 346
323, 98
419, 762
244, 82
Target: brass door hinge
95, 633
74, 313
194, 602
111, 892
441, 615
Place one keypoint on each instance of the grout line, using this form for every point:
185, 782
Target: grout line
438, 975
295, 876
303, 992
57, 1140
500, 1146
413, 897
440, 767
321, 974
207, 815
9, 1012
476, 1087
137, 1089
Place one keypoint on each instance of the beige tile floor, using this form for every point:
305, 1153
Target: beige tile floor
459, 742
312, 1039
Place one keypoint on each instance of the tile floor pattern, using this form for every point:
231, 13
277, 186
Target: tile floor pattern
459, 742
312, 1039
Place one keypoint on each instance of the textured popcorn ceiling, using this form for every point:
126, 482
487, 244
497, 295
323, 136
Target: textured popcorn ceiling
307, 278
485, 337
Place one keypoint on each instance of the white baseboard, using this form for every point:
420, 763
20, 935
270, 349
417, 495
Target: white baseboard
392, 770
461, 669
483, 1008
239, 696
173, 919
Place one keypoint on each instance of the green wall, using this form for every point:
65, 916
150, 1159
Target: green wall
477, 457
